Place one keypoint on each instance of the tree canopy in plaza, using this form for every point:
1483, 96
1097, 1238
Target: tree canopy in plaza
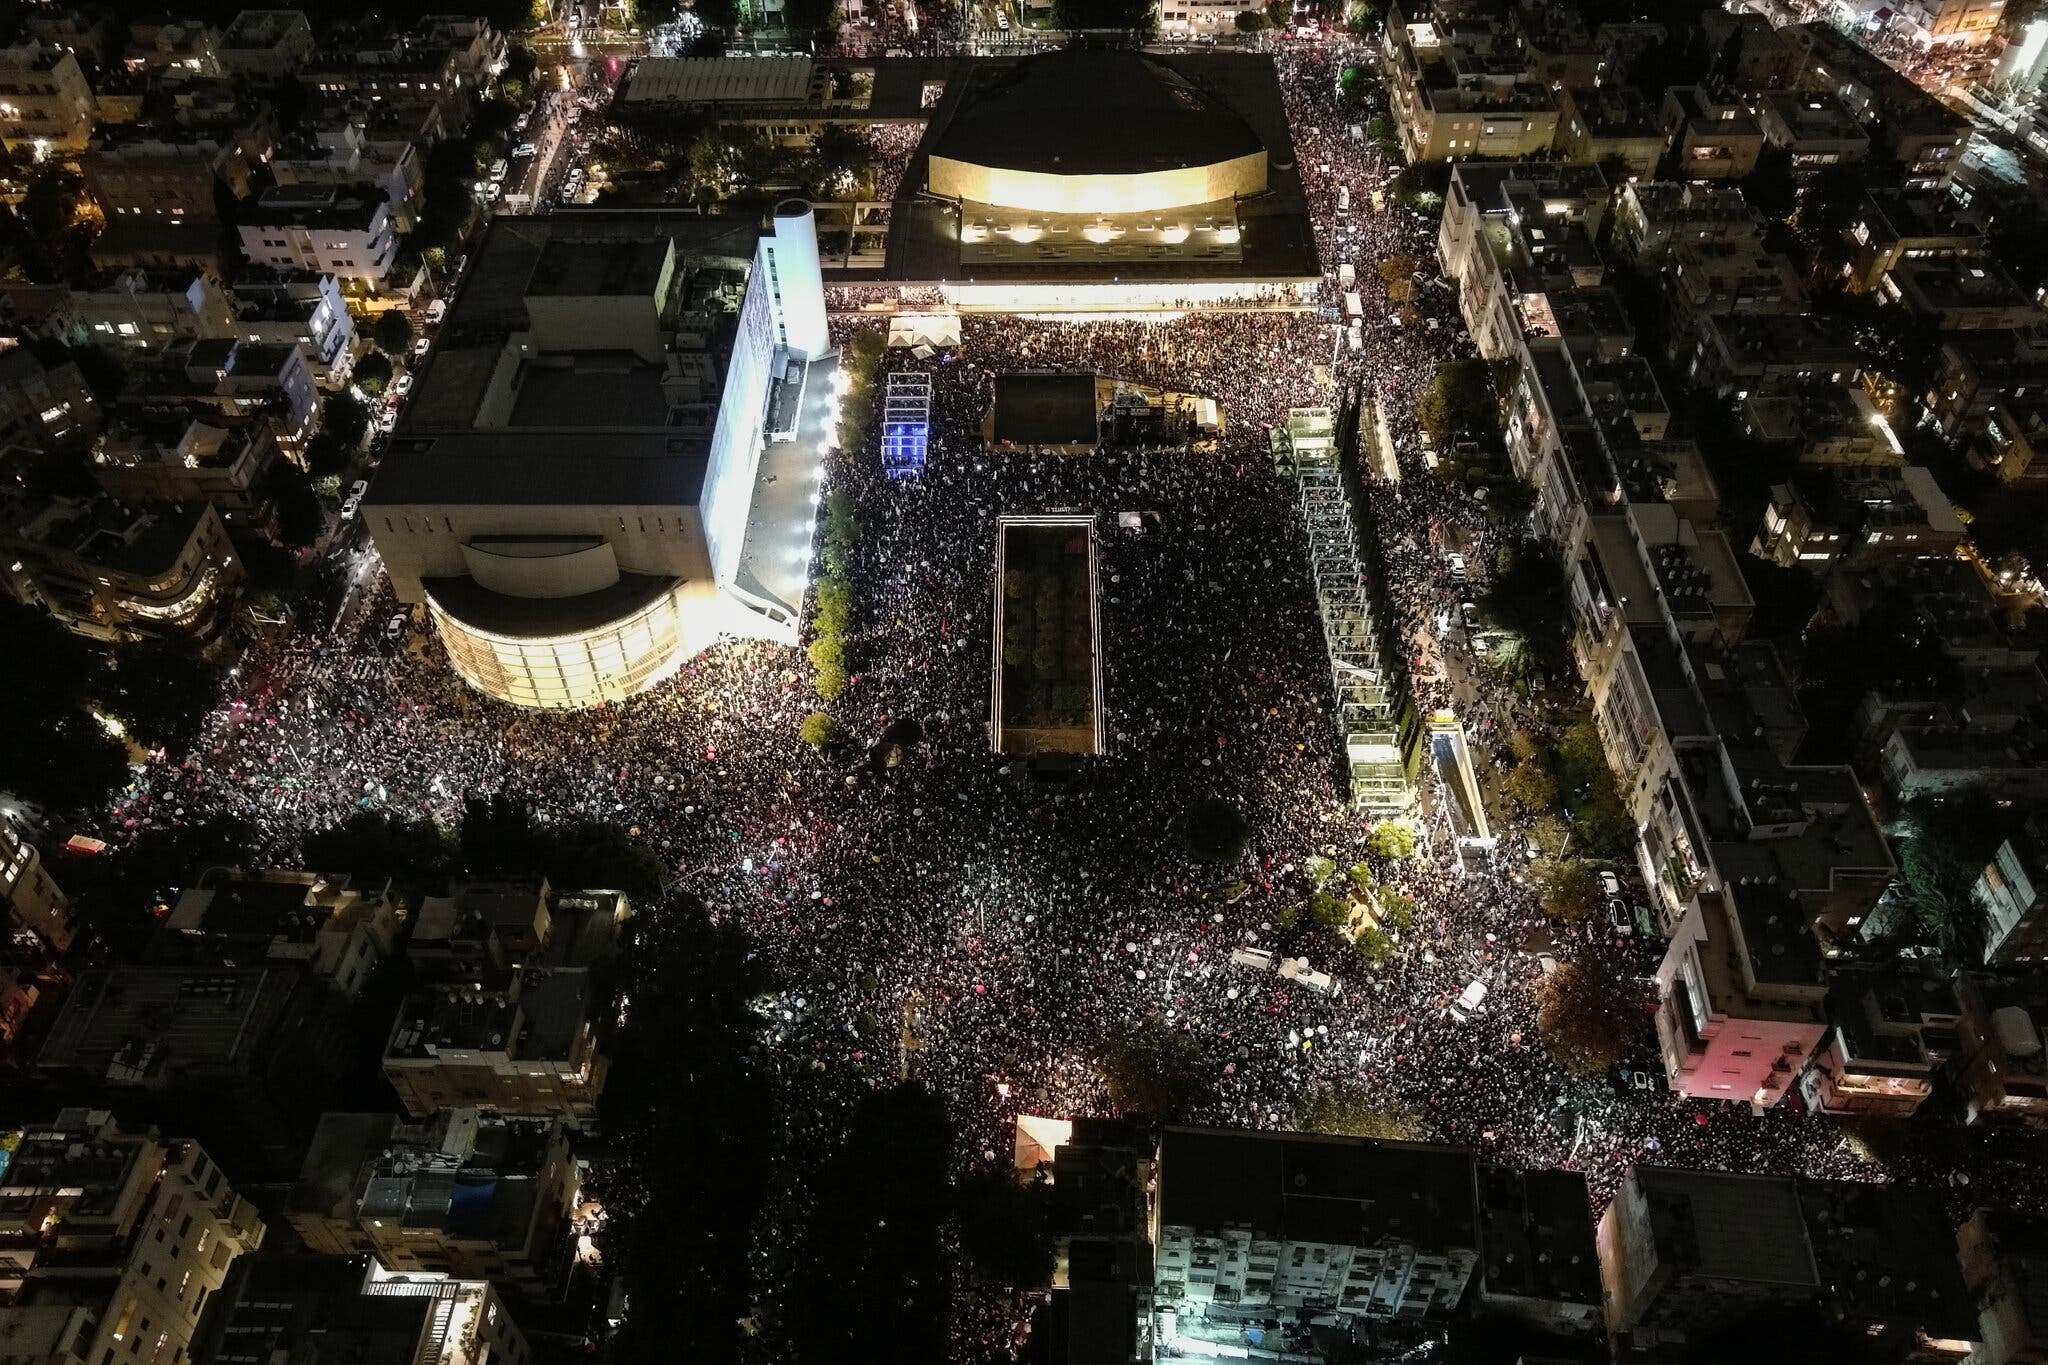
52, 751
1350, 1110
1568, 890
161, 691
1152, 1068
1460, 404
1592, 1011
1214, 831
371, 846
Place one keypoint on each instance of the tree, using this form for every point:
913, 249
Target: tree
326, 456
873, 1281
1352, 1111
1392, 839
829, 682
393, 332
122, 893
1213, 831
1568, 891
52, 750
1592, 1012
374, 846
1139, 17
373, 373
1371, 946
345, 417
1250, 21
300, 518
1460, 404
1005, 1228
1527, 597
815, 21
1151, 1068
819, 730
1943, 844
496, 835
597, 855
1531, 788
828, 652
841, 157
162, 692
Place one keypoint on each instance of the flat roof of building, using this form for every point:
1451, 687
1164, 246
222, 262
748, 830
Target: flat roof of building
718, 80
1311, 1187
1082, 111
549, 452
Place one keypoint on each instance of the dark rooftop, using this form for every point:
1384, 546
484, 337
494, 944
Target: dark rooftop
1092, 112
1046, 408
1309, 1187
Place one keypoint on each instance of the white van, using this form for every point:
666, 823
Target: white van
1469, 1002
499, 169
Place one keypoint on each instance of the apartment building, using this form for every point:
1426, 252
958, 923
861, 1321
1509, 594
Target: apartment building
239, 381
1516, 238
2013, 440
112, 571
146, 310
343, 154
343, 230
176, 458
1971, 294
154, 179
266, 45
1258, 1226
1949, 23
1539, 1267
301, 309
334, 931
1821, 424
1911, 126
1463, 91
1898, 228
112, 1242
464, 1194
1890, 1033
526, 1047
1650, 216
400, 73
1739, 353
1981, 370
1101, 1223
1858, 516
2004, 1253
1610, 123
43, 407
188, 47
2002, 1049
308, 1310
507, 1018
2012, 894
34, 902
45, 104
1814, 127
1713, 134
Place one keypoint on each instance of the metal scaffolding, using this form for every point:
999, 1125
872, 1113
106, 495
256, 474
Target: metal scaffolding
906, 423
1369, 702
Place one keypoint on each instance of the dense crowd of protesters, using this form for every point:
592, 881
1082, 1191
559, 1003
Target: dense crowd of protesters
955, 917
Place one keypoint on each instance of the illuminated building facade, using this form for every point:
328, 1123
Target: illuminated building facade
577, 492
1092, 180
114, 571
113, 1241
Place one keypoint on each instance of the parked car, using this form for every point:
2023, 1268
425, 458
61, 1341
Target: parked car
1620, 919
524, 149
403, 384
1468, 612
1610, 885
1480, 649
395, 627
499, 170
1457, 567
1469, 1002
